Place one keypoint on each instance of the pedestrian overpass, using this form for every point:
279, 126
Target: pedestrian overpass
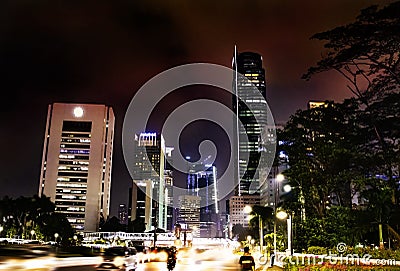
162, 239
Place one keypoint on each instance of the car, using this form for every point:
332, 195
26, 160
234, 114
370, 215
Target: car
119, 258
15, 258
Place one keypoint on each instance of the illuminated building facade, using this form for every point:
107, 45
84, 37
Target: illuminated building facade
169, 185
314, 104
76, 162
201, 182
189, 213
236, 209
149, 186
123, 214
248, 141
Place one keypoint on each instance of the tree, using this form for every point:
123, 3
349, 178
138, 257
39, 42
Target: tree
321, 150
112, 225
366, 52
137, 225
23, 214
239, 231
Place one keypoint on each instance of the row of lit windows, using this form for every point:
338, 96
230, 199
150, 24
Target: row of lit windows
77, 146
67, 179
75, 134
72, 209
69, 162
69, 156
72, 220
70, 191
69, 203
78, 168
71, 185
74, 215
74, 197
76, 140
74, 151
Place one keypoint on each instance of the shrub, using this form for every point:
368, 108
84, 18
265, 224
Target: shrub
317, 250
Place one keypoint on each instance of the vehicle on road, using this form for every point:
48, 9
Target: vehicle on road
119, 258
15, 258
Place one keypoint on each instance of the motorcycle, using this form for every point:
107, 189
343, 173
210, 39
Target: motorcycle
171, 260
171, 264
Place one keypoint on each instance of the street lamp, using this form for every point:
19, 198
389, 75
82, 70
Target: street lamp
284, 215
249, 238
32, 233
279, 178
287, 188
55, 237
1, 230
248, 209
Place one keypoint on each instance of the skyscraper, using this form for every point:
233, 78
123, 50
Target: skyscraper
201, 182
189, 213
254, 119
149, 177
76, 162
123, 214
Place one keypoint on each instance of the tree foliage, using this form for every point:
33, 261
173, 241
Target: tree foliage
336, 161
22, 215
366, 52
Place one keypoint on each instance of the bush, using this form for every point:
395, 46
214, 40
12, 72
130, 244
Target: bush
317, 250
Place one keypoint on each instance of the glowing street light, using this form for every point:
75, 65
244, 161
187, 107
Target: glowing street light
279, 178
282, 215
32, 233
248, 209
1, 229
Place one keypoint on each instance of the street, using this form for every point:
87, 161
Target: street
207, 260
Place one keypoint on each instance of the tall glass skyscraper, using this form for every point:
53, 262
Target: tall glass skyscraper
254, 119
149, 176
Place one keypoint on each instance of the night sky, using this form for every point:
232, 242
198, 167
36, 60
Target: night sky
103, 51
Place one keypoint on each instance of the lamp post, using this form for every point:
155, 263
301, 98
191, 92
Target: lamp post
249, 238
284, 215
1, 230
32, 233
248, 209
287, 188
279, 178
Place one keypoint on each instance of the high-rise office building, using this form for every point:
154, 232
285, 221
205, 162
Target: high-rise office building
189, 213
169, 188
149, 177
123, 214
250, 110
201, 182
236, 209
76, 162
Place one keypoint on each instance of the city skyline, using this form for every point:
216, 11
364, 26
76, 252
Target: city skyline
102, 54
